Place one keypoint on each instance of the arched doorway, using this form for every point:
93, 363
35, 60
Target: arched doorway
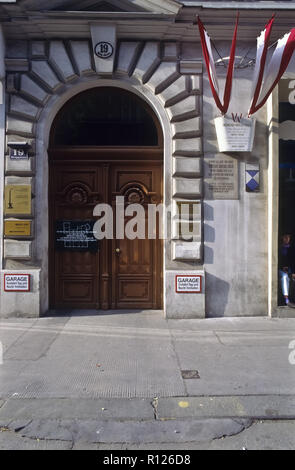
104, 143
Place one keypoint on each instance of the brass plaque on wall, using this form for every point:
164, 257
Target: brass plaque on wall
18, 199
17, 228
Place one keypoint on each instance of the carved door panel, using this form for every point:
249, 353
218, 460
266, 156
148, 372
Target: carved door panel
74, 269
124, 272
137, 263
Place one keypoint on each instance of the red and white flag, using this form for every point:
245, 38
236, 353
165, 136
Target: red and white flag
210, 65
262, 45
275, 69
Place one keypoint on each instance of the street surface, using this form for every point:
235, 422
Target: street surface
133, 380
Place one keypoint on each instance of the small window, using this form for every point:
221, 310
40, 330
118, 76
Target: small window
105, 116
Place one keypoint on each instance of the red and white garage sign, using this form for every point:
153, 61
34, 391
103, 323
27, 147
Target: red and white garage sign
188, 284
17, 282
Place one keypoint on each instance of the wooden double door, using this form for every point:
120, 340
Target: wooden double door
118, 272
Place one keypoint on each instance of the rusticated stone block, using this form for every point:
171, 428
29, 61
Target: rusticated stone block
165, 74
38, 49
22, 107
16, 65
43, 72
186, 166
171, 51
186, 230
24, 304
19, 180
30, 88
19, 127
185, 109
18, 249
106, 33
183, 250
191, 67
186, 129
127, 57
187, 187
149, 60
177, 91
187, 147
19, 166
194, 303
59, 59
187, 209
82, 56
196, 84
11, 83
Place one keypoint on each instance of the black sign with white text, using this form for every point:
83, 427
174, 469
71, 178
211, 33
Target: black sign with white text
75, 235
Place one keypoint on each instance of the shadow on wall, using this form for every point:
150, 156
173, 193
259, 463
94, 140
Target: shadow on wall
217, 300
208, 254
209, 233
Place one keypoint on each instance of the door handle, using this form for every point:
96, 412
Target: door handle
117, 251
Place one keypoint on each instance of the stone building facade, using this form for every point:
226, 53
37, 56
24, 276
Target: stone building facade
52, 54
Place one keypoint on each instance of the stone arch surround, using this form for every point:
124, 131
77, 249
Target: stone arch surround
58, 70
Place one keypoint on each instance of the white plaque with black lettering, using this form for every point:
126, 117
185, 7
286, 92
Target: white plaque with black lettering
235, 133
16, 282
188, 284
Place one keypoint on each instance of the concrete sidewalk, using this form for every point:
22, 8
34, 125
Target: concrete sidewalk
120, 377
140, 354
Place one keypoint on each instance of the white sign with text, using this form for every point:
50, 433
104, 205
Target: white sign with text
235, 133
17, 282
188, 284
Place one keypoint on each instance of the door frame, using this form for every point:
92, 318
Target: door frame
43, 147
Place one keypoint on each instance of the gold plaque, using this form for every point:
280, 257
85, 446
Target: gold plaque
17, 228
18, 199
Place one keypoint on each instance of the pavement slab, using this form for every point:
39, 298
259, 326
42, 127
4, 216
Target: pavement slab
9, 336
30, 346
10, 440
136, 432
87, 359
253, 324
255, 407
238, 369
77, 408
261, 435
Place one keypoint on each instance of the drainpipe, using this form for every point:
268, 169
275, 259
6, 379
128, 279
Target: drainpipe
2, 135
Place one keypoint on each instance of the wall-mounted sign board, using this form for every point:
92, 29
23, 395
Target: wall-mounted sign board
221, 177
18, 150
75, 235
235, 133
17, 199
188, 284
17, 282
18, 154
17, 228
104, 50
